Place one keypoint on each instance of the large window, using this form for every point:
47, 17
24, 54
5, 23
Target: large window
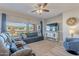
20, 27
16, 26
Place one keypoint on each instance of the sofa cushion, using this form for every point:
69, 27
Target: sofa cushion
32, 34
24, 36
8, 37
4, 36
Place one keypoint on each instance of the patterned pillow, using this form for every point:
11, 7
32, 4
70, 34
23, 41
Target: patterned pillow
5, 41
8, 37
24, 36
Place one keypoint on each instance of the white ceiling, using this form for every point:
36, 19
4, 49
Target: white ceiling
55, 8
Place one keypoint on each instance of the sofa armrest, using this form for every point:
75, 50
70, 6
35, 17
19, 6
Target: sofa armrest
22, 52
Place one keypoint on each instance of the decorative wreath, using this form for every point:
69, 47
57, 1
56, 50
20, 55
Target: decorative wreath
71, 21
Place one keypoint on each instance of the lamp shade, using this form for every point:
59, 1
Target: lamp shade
72, 31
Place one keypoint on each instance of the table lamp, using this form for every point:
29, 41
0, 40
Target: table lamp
72, 32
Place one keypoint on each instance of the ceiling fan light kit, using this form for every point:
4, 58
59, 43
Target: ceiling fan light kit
41, 8
39, 11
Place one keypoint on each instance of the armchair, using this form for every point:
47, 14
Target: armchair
72, 45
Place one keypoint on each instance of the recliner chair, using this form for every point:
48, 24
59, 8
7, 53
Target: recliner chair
72, 45
8, 47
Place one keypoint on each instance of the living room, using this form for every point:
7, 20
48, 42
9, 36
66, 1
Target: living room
27, 27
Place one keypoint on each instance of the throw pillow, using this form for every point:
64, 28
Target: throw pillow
13, 48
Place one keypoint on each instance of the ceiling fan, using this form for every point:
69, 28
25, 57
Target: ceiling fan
40, 8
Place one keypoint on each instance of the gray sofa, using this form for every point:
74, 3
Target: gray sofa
8, 47
31, 37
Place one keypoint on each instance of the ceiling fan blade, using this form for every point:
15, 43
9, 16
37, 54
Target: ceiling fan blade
44, 5
34, 10
39, 5
46, 10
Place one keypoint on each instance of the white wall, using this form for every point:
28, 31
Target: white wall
0, 22
21, 19
18, 17
61, 19
66, 15
55, 19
